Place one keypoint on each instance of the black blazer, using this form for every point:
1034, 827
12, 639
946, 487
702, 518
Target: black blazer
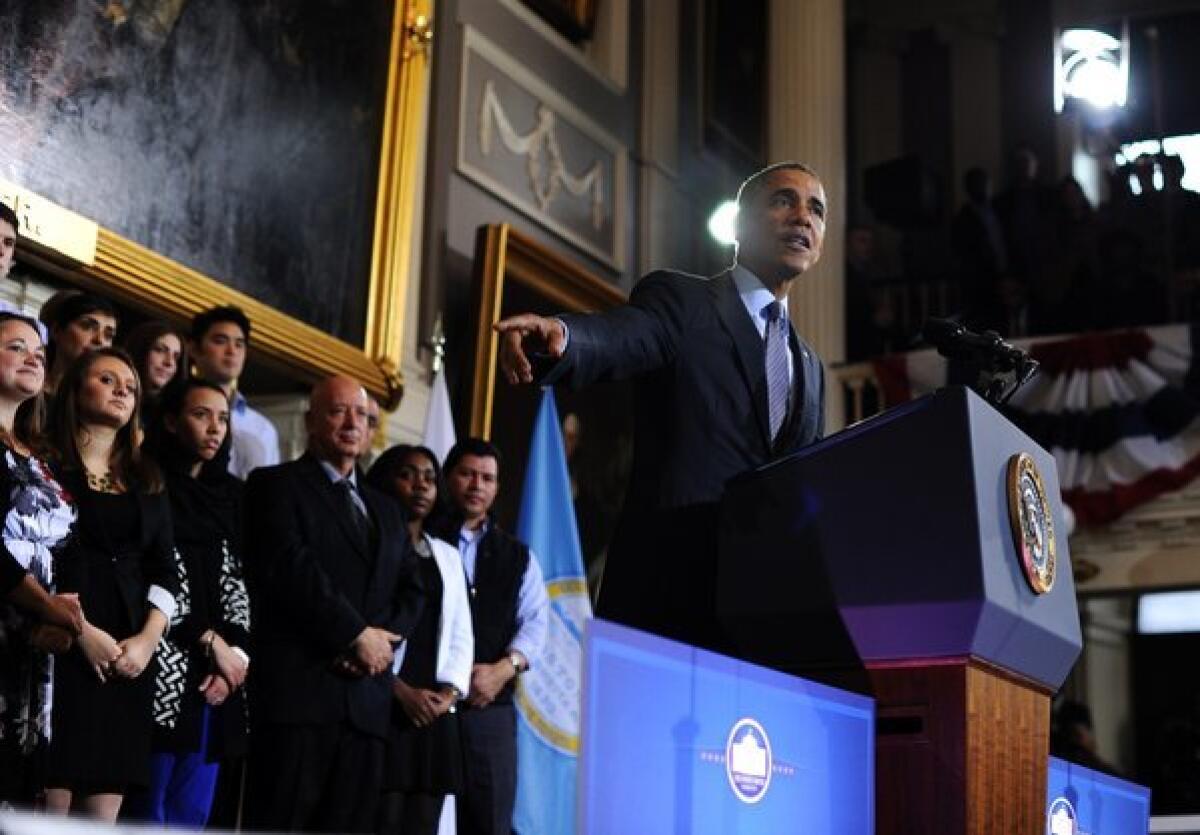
313, 588
152, 564
701, 417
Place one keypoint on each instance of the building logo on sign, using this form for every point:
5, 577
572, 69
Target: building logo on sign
748, 761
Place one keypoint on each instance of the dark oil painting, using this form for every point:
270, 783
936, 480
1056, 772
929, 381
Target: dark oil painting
238, 137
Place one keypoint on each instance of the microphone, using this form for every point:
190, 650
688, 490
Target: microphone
954, 341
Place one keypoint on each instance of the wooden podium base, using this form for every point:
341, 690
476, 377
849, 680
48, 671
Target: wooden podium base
961, 747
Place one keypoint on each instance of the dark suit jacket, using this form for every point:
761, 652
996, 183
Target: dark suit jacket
700, 419
313, 588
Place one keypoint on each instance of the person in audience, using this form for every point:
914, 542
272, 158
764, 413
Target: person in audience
200, 716
78, 323
433, 668
1065, 293
1133, 295
159, 353
9, 224
334, 588
509, 615
119, 562
981, 259
218, 345
1024, 209
372, 434
34, 621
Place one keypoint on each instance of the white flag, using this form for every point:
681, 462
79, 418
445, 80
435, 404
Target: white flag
439, 420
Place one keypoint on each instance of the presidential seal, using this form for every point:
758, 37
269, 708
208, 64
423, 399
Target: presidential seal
748, 761
1032, 521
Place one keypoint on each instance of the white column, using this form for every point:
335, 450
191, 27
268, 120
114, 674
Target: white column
660, 243
807, 122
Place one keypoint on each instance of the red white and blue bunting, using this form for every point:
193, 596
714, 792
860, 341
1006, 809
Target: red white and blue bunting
1119, 411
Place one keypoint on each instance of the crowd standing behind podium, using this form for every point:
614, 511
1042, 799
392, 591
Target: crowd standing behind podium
160, 620
1035, 258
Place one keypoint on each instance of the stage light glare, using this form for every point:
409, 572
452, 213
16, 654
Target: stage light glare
1097, 82
1091, 67
1089, 41
721, 223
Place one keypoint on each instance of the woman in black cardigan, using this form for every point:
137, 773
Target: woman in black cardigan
200, 716
120, 563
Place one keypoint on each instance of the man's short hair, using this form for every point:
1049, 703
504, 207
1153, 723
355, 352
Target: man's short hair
74, 306
9, 217
214, 315
755, 182
471, 446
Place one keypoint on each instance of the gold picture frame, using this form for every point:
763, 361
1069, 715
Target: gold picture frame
505, 257
103, 261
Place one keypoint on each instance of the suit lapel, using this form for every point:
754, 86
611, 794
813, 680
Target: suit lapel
751, 353
374, 500
323, 487
806, 390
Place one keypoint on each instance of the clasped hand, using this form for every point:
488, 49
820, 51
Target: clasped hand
370, 654
231, 666
420, 705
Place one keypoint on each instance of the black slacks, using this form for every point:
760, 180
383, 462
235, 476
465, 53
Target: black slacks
410, 813
489, 735
313, 778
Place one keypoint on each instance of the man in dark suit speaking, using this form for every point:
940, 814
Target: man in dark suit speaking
333, 589
723, 384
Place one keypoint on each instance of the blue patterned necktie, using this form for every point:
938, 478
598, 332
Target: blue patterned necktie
778, 384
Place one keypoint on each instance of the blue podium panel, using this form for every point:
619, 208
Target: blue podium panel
1082, 801
677, 739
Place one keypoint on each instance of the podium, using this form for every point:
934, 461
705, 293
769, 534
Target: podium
884, 559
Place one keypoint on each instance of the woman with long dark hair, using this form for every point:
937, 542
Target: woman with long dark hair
433, 666
37, 517
200, 715
120, 564
159, 354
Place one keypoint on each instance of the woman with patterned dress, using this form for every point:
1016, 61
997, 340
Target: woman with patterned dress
199, 712
433, 667
37, 517
120, 563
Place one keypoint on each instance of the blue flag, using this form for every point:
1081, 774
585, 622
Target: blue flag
548, 695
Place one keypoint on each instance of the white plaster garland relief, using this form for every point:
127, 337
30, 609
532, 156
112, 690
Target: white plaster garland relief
541, 151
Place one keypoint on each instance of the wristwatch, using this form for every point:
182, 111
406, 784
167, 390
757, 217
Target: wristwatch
515, 658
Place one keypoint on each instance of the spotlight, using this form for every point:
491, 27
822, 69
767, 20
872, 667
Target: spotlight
721, 223
1092, 67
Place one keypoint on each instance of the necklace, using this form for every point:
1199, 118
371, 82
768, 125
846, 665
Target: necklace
106, 483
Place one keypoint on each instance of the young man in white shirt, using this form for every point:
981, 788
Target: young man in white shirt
219, 339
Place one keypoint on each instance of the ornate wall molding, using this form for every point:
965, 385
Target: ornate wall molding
546, 184
527, 145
